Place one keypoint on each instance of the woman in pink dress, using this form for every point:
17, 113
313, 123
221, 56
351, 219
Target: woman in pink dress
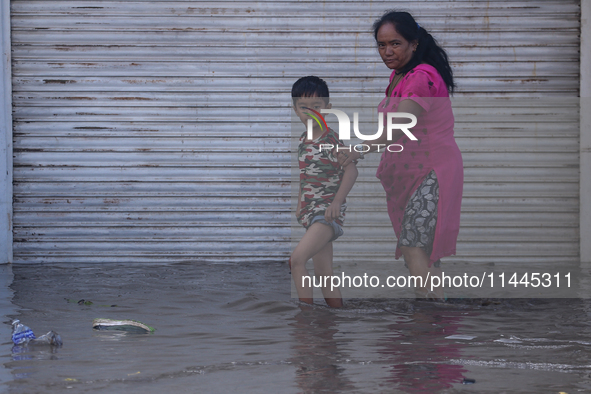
424, 181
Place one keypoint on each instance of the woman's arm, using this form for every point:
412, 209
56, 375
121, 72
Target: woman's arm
410, 106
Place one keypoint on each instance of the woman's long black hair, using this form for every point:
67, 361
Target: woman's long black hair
428, 51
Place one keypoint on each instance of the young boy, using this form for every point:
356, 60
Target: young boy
324, 184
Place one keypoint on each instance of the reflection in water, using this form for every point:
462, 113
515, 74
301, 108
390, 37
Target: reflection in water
31, 352
420, 354
316, 355
114, 336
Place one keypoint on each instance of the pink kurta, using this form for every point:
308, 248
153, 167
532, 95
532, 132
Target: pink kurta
436, 149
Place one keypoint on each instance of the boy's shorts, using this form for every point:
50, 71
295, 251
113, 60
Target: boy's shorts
336, 228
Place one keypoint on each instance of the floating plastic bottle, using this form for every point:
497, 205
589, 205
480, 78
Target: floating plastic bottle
51, 338
21, 333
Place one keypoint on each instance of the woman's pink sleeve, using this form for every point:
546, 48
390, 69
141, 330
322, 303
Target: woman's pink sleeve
420, 88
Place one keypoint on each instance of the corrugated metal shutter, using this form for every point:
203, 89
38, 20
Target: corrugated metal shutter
155, 131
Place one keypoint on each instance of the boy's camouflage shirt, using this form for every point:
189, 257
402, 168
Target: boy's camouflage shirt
320, 176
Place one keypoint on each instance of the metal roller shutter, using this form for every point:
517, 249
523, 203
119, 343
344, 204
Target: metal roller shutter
159, 131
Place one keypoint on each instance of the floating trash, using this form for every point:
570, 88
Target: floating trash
463, 337
122, 325
20, 333
23, 335
86, 302
509, 340
51, 338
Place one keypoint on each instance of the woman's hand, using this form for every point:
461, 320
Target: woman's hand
332, 212
346, 158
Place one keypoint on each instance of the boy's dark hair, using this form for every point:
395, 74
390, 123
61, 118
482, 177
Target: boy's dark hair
309, 86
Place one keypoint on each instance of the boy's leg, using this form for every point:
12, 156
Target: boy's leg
315, 238
323, 268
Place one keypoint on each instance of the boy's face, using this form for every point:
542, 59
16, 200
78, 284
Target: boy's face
313, 102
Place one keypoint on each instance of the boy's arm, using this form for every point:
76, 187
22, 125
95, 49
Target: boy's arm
349, 177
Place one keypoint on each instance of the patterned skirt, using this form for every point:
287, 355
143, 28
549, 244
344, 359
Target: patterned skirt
420, 216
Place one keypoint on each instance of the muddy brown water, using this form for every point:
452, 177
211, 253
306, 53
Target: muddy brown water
224, 328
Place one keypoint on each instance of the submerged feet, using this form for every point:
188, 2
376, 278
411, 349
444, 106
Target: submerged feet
334, 302
424, 295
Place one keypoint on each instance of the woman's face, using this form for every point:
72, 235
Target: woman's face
395, 51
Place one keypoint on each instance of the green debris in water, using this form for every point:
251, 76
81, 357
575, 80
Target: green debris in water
87, 303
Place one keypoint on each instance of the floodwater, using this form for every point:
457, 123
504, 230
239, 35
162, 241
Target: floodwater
224, 328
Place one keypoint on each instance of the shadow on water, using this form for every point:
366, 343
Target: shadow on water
234, 328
